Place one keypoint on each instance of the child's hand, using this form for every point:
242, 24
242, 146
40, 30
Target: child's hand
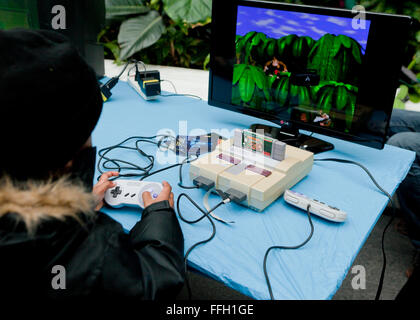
165, 194
103, 184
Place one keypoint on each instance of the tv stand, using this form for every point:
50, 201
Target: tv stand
291, 136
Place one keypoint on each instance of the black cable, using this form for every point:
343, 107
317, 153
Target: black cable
162, 80
205, 215
125, 67
381, 280
180, 183
130, 166
160, 170
145, 172
142, 63
285, 247
142, 172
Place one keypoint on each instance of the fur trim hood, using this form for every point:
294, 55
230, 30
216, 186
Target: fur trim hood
34, 202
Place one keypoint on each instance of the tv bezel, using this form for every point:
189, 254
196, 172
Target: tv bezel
218, 70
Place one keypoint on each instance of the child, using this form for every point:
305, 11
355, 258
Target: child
49, 219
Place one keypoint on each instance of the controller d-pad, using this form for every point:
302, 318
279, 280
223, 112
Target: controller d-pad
116, 191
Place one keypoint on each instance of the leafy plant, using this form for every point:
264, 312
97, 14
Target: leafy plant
250, 86
281, 88
190, 11
337, 97
254, 89
172, 32
285, 93
399, 102
336, 58
139, 32
410, 8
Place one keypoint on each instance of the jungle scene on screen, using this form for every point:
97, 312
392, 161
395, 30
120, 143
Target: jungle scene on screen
305, 66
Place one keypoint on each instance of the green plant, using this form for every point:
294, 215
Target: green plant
250, 86
410, 8
337, 97
254, 89
172, 32
335, 57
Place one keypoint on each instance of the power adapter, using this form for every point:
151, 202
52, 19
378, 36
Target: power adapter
146, 83
106, 88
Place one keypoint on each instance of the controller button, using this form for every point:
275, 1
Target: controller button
116, 191
126, 194
293, 199
334, 208
327, 214
133, 195
155, 195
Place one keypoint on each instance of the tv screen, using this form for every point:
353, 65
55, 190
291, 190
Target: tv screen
326, 70
304, 66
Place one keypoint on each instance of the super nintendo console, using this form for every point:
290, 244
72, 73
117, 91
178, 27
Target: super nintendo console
257, 169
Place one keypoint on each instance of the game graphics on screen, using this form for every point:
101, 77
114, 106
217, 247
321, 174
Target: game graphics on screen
298, 65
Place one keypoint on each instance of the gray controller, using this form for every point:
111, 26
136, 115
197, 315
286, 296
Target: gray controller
130, 193
316, 207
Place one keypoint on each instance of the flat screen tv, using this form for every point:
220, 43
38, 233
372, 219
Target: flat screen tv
329, 71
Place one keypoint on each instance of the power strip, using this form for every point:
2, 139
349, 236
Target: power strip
134, 84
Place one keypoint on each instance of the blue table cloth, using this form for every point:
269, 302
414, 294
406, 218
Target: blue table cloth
235, 255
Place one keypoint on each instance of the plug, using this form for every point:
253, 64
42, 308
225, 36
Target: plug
203, 182
106, 88
235, 195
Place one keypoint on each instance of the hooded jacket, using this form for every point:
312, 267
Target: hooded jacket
97, 256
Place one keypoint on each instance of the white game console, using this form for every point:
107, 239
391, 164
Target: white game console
316, 207
253, 169
130, 193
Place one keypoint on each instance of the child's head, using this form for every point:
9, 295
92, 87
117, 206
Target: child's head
49, 103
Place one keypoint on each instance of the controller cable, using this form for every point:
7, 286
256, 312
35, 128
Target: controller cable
205, 214
381, 280
120, 164
145, 172
285, 247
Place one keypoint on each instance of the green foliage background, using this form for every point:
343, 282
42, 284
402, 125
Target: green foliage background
164, 32
180, 31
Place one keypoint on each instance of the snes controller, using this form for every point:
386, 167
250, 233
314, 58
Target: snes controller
130, 193
316, 207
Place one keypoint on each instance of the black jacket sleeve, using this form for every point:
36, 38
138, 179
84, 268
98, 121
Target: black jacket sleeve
150, 256
146, 263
